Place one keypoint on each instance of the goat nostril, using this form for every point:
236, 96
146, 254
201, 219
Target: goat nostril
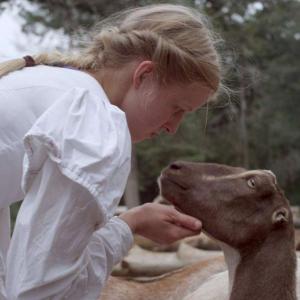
175, 166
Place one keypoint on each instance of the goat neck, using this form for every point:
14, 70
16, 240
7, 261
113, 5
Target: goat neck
267, 271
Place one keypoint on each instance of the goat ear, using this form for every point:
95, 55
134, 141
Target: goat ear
280, 216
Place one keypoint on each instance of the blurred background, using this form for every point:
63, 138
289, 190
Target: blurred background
257, 125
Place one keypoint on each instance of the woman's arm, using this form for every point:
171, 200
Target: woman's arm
48, 256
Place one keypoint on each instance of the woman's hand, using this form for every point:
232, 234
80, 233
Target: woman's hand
161, 223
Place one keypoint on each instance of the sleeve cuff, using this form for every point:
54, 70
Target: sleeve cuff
127, 230
126, 236
117, 238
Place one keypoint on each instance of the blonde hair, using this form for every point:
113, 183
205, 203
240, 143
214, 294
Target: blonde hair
176, 38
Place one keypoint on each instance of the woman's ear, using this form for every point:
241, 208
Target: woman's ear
143, 70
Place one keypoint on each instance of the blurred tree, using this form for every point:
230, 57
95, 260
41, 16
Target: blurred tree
268, 78
73, 15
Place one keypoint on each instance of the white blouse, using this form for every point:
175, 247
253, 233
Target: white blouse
77, 159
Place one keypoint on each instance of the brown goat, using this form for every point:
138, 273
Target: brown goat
249, 214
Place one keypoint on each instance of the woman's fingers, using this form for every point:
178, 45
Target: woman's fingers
186, 221
175, 232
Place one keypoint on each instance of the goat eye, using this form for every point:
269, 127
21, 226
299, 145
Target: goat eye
251, 183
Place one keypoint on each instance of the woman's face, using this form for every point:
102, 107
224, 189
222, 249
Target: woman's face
151, 108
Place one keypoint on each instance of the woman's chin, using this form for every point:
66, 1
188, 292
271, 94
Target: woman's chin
148, 136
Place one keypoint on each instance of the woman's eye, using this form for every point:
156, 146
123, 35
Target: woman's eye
251, 183
177, 110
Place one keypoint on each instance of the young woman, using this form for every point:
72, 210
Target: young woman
73, 119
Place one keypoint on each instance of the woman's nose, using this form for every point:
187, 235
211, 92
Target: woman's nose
170, 130
172, 125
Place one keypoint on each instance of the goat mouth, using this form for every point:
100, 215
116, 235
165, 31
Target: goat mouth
166, 180
171, 189
173, 201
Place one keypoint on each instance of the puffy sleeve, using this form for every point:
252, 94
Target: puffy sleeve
58, 250
65, 241
89, 140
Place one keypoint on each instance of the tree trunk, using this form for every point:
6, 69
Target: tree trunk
131, 196
243, 120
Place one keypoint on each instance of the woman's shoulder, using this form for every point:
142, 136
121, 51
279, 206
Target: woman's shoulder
41, 86
58, 78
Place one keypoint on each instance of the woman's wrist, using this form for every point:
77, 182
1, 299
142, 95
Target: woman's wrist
131, 219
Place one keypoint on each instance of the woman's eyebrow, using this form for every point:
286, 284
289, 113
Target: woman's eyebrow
190, 109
